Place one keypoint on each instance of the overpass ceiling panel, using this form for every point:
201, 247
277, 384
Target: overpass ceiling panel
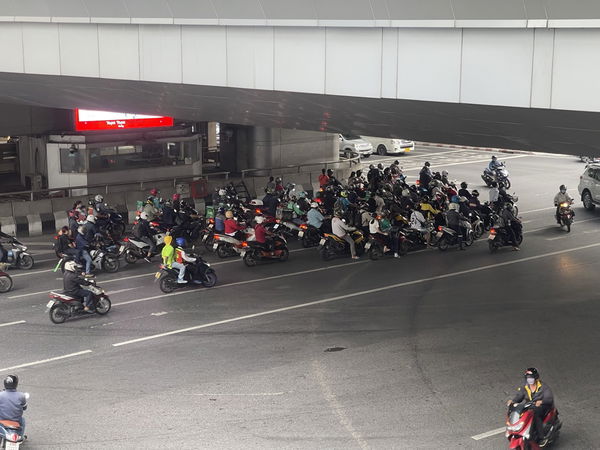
65, 9
113, 9
535, 9
489, 9
193, 11
230, 11
581, 9
155, 9
420, 10
344, 10
289, 9
26, 10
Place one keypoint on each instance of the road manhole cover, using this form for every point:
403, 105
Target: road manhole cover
335, 349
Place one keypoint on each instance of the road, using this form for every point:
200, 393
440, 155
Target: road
425, 349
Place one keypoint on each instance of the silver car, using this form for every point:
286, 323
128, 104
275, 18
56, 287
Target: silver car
351, 143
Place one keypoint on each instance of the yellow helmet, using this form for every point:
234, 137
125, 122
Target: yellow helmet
168, 240
229, 214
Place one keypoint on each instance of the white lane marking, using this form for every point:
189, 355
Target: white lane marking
11, 323
121, 290
162, 313
488, 434
257, 394
551, 227
559, 237
424, 156
237, 283
44, 361
356, 294
536, 210
465, 162
591, 231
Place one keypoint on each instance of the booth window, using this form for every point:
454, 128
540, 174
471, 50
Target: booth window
139, 156
72, 160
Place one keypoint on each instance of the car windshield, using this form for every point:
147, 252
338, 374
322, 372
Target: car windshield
350, 137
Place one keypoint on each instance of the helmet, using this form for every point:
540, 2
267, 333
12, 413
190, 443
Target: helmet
494, 184
494, 158
427, 164
380, 166
150, 200
175, 197
91, 219
168, 239
371, 166
475, 193
405, 193
11, 382
153, 191
221, 210
256, 202
444, 173
222, 192
344, 194
180, 242
562, 187
462, 199
314, 205
532, 372
396, 163
301, 194
278, 180
71, 266
229, 214
144, 216
463, 185
99, 198
259, 219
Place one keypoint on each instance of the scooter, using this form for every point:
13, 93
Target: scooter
500, 175
519, 421
499, 237
62, 306
6, 282
199, 273
310, 235
225, 245
447, 237
135, 249
17, 257
565, 214
376, 245
253, 252
331, 245
11, 436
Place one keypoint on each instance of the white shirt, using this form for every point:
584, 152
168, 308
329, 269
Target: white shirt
374, 227
339, 228
417, 221
494, 193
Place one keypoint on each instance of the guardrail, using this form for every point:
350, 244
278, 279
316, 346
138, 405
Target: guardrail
353, 160
105, 188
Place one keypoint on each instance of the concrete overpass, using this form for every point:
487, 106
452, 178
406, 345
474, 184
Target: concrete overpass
519, 74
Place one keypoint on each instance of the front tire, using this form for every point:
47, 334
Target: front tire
587, 201
325, 253
381, 150
6, 284
375, 252
403, 248
222, 251
110, 264
443, 244
210, 279
118, 230
250, 259
130, 258
167, 284
26, 262
59, 313
103, 306
492, 247
285, 254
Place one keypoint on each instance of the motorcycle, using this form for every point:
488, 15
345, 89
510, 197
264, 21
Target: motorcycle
135, 249
253, 252
10, 432
519, 421
6, 282
199, 272
565, 214
447, 237
500, 175
288, 228
62, 306
225, 245
476, 224
310, 235
18, 256
376, 244
113, 224
410, 239
499, 237
331, 245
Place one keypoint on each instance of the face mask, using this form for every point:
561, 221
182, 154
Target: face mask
563, 191
530, 380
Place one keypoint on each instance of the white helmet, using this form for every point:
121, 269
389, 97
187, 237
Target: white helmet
91, 219
144, 215
222, 192
256, 202
444, 173
71, 266
99, 198
314, 205
259, 219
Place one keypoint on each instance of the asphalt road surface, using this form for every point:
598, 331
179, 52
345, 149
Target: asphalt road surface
429, 346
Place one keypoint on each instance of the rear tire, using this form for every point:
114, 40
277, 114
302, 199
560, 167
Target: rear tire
130, 258
568, 226
403, 248
506, 184
469, 241
443, 244
59, 313
587, 201
211, 279
26, 262
250, 259
222, 251
285, 254
492, 247
478, 231
167, 284
103, 306
110, 264
325, 254
6, 284
118, 230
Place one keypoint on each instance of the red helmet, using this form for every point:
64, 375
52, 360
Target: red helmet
153, 191
176, 197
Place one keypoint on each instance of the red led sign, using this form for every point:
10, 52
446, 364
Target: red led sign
86, 120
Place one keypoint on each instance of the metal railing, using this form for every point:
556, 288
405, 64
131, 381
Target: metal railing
350, 162
97, 188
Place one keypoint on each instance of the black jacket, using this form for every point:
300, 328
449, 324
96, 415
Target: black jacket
543, 393
72, 283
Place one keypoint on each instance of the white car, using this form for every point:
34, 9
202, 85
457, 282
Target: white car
350, 143
589, 186
387, 146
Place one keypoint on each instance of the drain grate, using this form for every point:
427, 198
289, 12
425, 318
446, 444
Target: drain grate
335, 349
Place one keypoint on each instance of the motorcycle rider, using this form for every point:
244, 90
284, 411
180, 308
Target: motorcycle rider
149, 208
314, 216
72, 283
494, 194
539, 393
379, 228
233, 228
168, 256
270, 202
425, 176
494, 165
323, 179
561, 197
154, 197
220, 221
453, 218
142, 232
82, 245
90, 227
261, 234
463, 191
419, 223
512, 224
64, 244
340, 229
13, 403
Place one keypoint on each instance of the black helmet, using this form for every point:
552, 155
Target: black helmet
494, 158
380, 166
532, 372
427, 164
475, 193
11, 382
562, 187
463, 185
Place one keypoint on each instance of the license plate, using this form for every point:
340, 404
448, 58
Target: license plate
322, 242
50, 304
276, 226
121, 249
215, 245
492, 237
300, 233
157, 275
205, 237
13, 445
367, 246
210, 227
439, 234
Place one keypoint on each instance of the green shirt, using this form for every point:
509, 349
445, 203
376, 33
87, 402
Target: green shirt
168, 255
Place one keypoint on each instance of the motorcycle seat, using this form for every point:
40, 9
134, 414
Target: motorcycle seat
62, 294
10, 424
335, 238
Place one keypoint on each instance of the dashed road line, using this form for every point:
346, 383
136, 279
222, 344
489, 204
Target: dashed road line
12, 323
44, 361
488, 434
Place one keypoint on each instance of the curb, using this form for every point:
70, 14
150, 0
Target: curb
484, 149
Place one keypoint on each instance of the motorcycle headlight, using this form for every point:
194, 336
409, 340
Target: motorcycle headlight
207, 264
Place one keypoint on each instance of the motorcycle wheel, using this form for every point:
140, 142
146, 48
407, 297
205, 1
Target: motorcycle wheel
222, 251
210, 279
110, 264
103, 306
375, 252
492, 247
506, 183
167, 284
520, 239
470, 239
568, 224
478, 231
26, 262
403, 248
59, 313
118, 230
325, 254
6, 284
250, 259
208, 244
130, 258
443, 244
285, 254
